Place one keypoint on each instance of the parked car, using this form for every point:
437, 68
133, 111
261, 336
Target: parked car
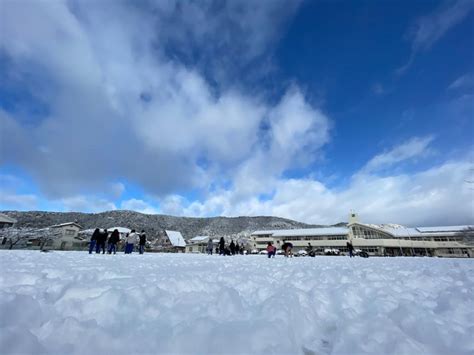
331, 251
263, 252
302, 253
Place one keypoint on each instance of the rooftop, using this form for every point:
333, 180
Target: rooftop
66, 224
176, 238
401, 231
303, 232
5, 219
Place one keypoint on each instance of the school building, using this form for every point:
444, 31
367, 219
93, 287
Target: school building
376, 240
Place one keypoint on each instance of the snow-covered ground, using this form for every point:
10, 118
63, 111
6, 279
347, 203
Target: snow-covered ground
73, 302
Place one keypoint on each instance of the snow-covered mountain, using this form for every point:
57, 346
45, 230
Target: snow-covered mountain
153, 224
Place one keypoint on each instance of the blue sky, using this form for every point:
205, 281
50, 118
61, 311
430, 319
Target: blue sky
298, 109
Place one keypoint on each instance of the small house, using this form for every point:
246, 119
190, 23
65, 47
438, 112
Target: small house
197, 244
6, 221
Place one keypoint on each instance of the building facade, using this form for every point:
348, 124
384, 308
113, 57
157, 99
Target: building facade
69, 238
197, 244
376, 240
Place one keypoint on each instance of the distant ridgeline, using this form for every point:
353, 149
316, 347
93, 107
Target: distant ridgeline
154, 224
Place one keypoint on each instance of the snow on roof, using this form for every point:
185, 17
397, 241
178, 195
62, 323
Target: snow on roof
122, 230
66, 224
304, 232
397, 230
199, 238
443, 229
176, 238
5, 219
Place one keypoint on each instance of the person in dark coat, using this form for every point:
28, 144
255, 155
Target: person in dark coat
101, 242
237, 248
350, 248
310, 250
232, 247
93, 242
210, 246
286, 247
142, 242
113, 240
221, 246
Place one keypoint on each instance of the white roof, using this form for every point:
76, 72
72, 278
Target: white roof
66, 224
304, 232
122, 230
176, 238
443, 229
5, 219
199, 238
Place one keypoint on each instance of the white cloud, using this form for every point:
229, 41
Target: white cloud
11, 200
138, 205
414, 148
121, 106
82, 203
438, 195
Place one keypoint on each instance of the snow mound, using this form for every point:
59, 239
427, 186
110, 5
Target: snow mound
73, 302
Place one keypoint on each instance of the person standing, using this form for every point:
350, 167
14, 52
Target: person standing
350, 248
93, 241
131, 239
287, 246
113, 240
271, 250
310, 251
142, 243
221, 246
232, 247
210, 246
101, 242
237, 248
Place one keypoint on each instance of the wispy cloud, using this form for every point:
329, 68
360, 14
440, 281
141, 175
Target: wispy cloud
139, 206
427, 30
413, 148
464, 81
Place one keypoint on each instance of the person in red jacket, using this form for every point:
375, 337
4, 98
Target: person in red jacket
271, 250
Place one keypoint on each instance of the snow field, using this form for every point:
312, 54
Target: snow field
73, 302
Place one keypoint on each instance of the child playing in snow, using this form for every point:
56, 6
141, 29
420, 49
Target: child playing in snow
271, 250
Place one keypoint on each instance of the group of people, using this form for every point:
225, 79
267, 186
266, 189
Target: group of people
100, 238
223, 249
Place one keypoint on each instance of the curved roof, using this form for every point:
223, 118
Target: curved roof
401, 231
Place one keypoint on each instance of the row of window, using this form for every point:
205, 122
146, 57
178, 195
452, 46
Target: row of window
310, 238
368, 233
360, 232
